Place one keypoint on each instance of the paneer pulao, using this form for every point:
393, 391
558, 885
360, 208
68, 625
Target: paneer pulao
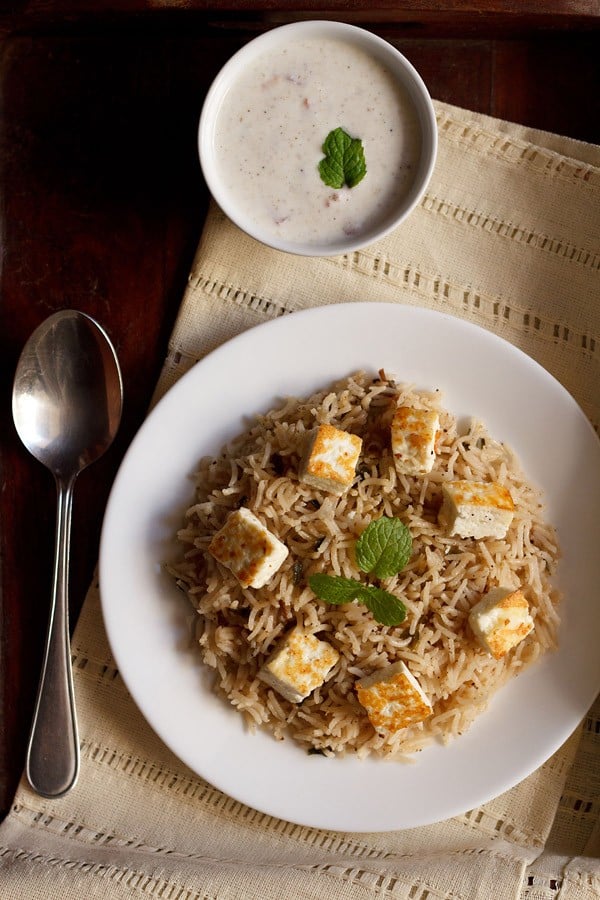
366, 575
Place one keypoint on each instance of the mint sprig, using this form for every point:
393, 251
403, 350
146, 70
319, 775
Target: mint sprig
382, 550
384, 547
344, 161
386, 608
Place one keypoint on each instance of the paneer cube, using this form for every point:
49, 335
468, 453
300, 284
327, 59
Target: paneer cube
248, 549
393, 698
476, 509
501, 620
299, 665
414, 433
330, 458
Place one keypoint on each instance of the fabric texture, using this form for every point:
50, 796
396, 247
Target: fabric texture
506, 237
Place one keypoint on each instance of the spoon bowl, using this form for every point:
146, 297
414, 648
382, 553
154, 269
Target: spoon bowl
67, 403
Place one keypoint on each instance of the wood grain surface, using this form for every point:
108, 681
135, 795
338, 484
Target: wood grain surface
102, 206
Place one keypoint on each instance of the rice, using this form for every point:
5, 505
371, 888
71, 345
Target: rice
237, 628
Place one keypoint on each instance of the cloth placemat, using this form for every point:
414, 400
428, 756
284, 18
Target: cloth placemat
507, 237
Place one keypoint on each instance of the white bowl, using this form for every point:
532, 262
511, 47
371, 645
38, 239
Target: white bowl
279, 220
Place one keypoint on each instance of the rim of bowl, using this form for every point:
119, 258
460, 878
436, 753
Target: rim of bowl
385, 53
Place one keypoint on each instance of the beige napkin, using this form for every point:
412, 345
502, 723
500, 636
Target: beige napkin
507, 237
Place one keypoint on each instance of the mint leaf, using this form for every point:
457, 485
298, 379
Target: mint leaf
335, 588
384, 547
344, 161
386, 608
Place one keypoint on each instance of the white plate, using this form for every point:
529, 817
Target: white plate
148, 620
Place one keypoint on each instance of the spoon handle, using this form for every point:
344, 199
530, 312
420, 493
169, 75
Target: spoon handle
52, 764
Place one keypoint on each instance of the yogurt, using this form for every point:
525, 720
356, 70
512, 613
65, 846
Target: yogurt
270, 131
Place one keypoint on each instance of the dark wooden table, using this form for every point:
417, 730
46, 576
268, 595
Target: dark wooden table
102, 206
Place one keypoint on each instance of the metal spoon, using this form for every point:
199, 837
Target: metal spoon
67, 401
